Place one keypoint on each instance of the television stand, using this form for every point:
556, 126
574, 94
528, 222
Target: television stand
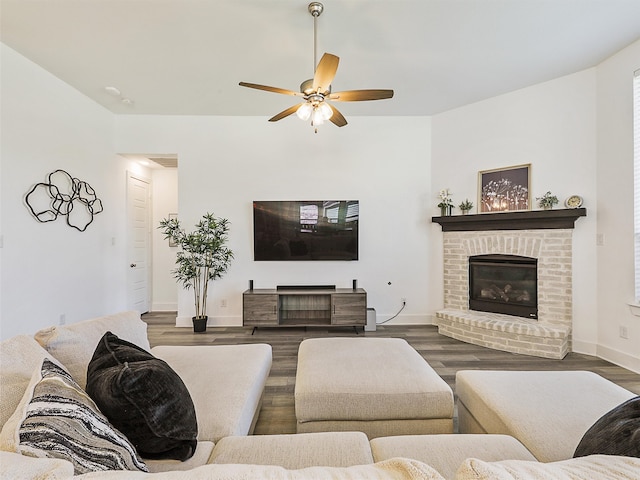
304, 307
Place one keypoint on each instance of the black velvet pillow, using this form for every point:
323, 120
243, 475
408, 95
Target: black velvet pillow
143, 398
617, 432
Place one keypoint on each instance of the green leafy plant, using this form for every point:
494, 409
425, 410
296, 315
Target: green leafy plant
466, 205
203, 256
548, 200
445, 198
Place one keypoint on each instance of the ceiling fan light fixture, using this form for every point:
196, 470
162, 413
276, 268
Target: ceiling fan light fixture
304, 111
317, 118
325, 111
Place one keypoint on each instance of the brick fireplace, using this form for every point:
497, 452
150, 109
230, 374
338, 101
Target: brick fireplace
540, 235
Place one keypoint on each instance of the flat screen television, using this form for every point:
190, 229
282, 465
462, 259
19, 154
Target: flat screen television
305, 230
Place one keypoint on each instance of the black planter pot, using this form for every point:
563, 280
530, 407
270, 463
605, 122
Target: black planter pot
199, 324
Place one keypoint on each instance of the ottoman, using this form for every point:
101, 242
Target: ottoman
379, 386
547, 411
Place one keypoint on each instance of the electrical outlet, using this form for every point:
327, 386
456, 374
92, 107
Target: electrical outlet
624, 333
223, 303
403, 300
63, 319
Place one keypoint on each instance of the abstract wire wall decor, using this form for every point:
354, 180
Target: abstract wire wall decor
64, 195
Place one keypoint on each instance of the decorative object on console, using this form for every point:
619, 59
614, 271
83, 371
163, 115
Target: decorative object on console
144, 398
64, 195
446, 204
317, 91
203, 257
465, 206
547, 201
574, 201
57, 419
504, 189
306, 230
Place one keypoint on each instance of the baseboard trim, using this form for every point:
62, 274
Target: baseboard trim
410, 319
586, 348
230, 321
621, 359
164, 307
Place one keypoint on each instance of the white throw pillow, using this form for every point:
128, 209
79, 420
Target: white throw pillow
73, 345
594, 467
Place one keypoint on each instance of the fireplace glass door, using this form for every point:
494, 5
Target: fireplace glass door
505, 284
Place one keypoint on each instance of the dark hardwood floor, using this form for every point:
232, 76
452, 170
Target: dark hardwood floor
444, 354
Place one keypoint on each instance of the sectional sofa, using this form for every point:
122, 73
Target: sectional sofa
225, 386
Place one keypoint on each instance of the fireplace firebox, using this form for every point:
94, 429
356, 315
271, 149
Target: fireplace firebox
505, 284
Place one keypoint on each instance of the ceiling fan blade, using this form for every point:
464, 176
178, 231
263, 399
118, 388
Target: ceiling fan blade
284, 113
270, 89
337, 118
360, 95
325, 71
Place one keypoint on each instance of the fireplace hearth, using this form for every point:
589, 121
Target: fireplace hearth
506, 284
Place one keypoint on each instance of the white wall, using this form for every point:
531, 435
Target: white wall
552, 126
226, 163
164, 198
51, 269
615, 206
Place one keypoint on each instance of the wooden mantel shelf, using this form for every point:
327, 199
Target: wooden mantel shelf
529, 220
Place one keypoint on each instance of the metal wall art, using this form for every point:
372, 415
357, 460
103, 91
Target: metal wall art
64, 195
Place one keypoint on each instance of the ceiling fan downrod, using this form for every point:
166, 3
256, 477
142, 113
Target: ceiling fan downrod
315, 9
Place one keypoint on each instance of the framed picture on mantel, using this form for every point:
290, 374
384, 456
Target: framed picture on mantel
505, 189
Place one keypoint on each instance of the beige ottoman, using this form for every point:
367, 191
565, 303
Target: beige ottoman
333, 449
548, 412
446, 453
379, 386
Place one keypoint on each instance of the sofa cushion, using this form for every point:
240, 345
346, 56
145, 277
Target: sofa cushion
445, 453
199, 458
335, 449
20, 467
226, 383
617, 432
395, 469
595, 467
73, 344
20, 356
56, 419
144, 398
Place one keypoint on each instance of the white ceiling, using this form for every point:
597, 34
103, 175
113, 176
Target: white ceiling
187, 56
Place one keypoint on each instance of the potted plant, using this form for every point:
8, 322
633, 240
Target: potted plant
446, 204
203, 257
547, 201
465, 206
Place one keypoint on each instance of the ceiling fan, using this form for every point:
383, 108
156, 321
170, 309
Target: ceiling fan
316, 92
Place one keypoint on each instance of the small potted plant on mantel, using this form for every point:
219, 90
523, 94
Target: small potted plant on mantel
547, 201
465, 206
203, 258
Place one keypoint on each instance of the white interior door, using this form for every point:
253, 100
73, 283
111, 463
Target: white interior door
138, 243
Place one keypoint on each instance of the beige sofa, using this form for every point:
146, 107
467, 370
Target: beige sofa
226, 385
